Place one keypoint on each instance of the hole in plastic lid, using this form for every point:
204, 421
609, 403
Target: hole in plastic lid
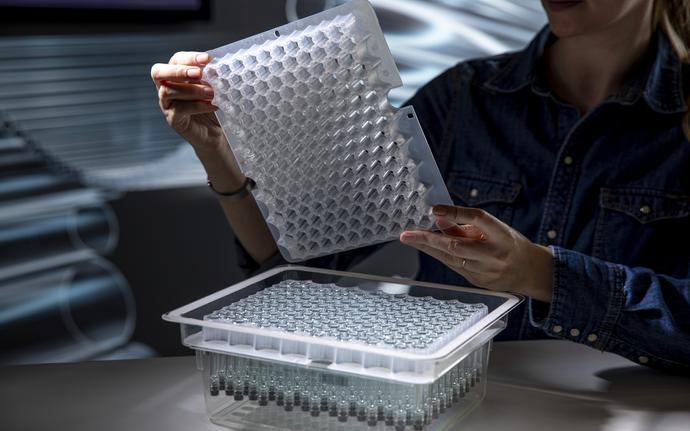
410, 115
277, 33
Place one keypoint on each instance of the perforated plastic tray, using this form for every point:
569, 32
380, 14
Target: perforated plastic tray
329, 353
305, 110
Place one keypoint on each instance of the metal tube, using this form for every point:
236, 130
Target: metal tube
68, 314
30, 182
46, 236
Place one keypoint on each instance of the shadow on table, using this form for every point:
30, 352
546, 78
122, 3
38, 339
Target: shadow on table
648, 389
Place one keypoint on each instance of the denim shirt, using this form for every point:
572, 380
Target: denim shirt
608, 192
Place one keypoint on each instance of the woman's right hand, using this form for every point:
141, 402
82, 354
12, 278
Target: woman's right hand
186, 101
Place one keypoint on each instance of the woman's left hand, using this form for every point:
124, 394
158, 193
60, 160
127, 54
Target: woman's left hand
486, 251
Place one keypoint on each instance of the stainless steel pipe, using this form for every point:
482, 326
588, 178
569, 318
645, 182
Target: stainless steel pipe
65, 314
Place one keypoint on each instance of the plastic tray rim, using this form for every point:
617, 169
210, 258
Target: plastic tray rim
512, 301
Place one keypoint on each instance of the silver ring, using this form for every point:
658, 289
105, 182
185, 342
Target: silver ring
464, 262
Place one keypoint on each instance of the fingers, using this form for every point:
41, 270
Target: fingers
487, 252
177, 115
170, 92
183, 66
474, 216
449, 228
190, 58
454, 262
464, 230
193, 108
456, 246
471, 231
161, 72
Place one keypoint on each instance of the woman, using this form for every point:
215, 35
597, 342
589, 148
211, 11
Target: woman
579, 142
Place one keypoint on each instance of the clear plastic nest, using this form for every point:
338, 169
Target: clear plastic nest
402, 322
306, 112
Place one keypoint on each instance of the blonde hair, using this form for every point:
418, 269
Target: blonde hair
674, 18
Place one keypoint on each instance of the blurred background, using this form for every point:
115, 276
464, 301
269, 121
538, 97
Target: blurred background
105, 219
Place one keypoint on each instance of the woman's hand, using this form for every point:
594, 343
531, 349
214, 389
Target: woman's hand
186, 101
487, 252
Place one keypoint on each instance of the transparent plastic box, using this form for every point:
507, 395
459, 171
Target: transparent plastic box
263, 378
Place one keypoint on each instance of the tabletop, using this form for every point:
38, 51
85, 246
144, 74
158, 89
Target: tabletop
532, 385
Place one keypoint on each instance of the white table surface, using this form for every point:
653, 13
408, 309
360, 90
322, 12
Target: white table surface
532, 385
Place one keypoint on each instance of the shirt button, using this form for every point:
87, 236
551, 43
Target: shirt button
592, 338
474, 193
645, 209
552, 234
557, 329
567, 160
574, 332
643, 359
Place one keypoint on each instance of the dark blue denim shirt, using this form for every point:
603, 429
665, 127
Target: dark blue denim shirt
608, 191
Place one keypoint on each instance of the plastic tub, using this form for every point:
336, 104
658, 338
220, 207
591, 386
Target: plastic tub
263, 377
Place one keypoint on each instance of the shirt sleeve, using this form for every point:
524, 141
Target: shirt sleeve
632, 312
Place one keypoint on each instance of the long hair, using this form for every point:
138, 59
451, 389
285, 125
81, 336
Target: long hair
674, 18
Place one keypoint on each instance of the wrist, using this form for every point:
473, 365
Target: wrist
238, 194
211, 148
221, 167
539, 285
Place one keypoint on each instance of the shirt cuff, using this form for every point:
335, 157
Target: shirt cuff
587, 299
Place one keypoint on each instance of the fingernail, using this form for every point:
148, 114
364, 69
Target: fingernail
439, 210
208, 91
408, 236
203, 58
194, 73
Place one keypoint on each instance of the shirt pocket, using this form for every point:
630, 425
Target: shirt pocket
496, 196
644, 227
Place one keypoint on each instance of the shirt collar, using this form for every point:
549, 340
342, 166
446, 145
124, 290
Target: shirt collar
523, 68
664, 87
659, 79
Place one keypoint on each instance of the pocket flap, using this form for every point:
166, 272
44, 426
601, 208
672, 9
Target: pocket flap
645, 205
477, 190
